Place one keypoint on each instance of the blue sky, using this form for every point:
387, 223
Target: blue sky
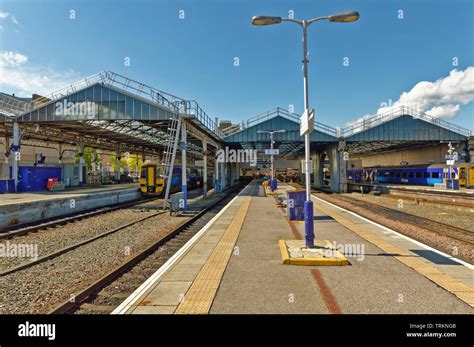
194, 57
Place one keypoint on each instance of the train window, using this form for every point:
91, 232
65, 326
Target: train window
404, 174
411, 174
426, 174
435, 175
392, 174
418, 175
397, 174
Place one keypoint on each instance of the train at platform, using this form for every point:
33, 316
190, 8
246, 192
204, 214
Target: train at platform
428, 175
153, 182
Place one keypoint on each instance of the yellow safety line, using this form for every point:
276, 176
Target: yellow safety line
451, 284
199, 298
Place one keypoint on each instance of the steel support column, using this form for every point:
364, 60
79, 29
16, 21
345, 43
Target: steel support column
204, 174
118, 156
318, 172
184, 179
80, 147
16, 153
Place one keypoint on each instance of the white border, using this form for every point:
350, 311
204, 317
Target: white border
469, 266
129, 302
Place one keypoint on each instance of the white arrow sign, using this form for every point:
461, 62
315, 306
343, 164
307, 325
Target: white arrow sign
307, 123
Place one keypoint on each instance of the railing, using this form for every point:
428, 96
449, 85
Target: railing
193, 108
278, 111
399, 111
168, 100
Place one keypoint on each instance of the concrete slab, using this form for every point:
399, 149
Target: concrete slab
154, 309
198, 254
183, 272
295, 252
166, 294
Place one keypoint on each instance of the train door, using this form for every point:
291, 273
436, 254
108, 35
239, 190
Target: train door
462, 176
151, 178
470, 177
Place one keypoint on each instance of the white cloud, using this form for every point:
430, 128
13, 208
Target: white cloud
9, 58
19, 77
14, 20
5, 15
442, 98
445, 111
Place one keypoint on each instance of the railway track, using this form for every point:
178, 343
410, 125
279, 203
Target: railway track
75, 245
409, 190
105, 294
444, 200
23, 229
403, 217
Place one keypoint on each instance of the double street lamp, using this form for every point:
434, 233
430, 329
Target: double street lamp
272, 175
269, 20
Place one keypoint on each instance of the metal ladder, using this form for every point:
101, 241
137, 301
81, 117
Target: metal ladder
170, 154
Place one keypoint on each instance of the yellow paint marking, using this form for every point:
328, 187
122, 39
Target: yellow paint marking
338, 259
285, 256
199, 298
451, 284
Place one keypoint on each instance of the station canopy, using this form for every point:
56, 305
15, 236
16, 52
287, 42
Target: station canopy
252, 134
400, 128
109, 111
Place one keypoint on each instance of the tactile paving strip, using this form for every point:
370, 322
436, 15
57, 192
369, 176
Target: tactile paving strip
199, 298
451, 284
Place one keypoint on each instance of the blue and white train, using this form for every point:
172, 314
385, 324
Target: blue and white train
408, 174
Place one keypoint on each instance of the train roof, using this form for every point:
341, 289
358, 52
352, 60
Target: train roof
422, 166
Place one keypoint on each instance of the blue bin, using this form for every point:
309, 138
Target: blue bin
295, 204
273, 184
3, 186
11, 186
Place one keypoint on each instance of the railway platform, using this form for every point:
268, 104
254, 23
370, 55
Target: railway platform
20, 208
234, 265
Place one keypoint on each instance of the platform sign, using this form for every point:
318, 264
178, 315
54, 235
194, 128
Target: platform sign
272, 152
453, 156
307, 123
303, 166
450, 162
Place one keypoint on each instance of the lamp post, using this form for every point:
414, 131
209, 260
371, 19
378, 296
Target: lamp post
269, 20
271, 147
